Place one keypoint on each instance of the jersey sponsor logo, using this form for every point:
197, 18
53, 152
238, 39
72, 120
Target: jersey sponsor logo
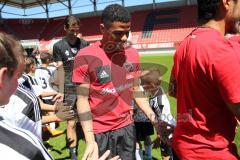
117, 89
108, 90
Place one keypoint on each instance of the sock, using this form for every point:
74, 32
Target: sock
148, 151
73, 152
139, 154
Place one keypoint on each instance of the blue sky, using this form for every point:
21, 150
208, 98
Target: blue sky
79, 6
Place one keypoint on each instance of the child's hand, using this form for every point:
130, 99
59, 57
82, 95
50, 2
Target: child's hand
58, 98
157, 142
166, 132
64, 112
165, 128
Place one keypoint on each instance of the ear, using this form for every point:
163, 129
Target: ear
3, 74
65, 27
227, 4
32, 67
102, 28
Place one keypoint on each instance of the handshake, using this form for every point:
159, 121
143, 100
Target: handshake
64, 112
165, 134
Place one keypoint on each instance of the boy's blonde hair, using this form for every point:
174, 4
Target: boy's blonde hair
11, 52
29, 61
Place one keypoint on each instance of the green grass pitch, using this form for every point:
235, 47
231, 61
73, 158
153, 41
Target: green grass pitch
60, 151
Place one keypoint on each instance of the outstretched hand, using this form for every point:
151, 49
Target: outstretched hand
157, 142
91, 153
64, 112
106, 154
166, 132
58, 97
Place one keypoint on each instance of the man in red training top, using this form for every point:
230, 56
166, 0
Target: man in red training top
107, 73
206, 83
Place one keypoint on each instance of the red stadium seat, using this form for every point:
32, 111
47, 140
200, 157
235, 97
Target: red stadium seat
148, 26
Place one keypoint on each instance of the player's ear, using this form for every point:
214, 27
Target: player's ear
102, 27
227, 4
65, 28
3, 74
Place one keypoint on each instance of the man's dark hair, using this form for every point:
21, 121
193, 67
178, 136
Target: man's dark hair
70, 20
115, 13
208, 9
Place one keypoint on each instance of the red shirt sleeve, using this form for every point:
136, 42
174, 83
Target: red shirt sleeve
174, 71
80, 70
133, 68
226, 72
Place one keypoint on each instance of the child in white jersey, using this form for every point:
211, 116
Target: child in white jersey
45, 77
158, 100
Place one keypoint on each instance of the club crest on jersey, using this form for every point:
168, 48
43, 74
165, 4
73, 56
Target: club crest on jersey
74, 50
128, 66
103, 74
67, 53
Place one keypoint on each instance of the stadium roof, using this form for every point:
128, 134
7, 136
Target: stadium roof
29, 3
56, 8
39, 7
24, 5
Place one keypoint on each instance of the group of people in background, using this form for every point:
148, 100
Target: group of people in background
102, 86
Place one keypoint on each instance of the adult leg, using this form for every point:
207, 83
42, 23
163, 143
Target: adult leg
120, 142
124, 140
70, 99
102, 140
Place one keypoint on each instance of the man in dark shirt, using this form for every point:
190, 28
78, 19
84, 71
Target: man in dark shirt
64, 52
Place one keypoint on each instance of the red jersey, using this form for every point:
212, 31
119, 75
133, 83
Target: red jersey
111, 81
207, 72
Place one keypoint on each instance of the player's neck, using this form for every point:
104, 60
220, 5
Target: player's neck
102, 42
154, 93
71, 39
31, 73
44, 65
217, 25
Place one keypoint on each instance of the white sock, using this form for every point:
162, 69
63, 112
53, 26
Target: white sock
148, 151
52, 125
139, 154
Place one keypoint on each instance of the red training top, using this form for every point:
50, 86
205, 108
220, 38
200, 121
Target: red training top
207, 72
111, 82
